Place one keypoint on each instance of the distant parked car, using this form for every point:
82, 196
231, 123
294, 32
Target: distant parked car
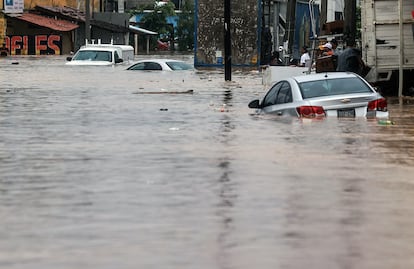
337, 94
161, 65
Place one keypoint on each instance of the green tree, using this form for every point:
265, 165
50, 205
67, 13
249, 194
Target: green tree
185, 27
156, 20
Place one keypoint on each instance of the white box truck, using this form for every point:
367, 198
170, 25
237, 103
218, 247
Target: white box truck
387, 32
102, 54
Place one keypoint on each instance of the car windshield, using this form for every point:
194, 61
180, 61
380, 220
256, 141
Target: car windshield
92, 55
328, 87
179, 66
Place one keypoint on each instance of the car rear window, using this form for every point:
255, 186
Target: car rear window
179, 66
328, 87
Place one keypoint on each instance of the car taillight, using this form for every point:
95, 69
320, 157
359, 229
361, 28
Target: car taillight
310, 111
379, 105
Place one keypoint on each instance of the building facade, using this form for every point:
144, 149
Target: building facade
244, 28
57, 27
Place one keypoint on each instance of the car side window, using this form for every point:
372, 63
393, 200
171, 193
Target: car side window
285, 94
138, 66
179, 65
270, 98
152, 66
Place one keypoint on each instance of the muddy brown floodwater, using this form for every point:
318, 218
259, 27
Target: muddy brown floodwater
96, 172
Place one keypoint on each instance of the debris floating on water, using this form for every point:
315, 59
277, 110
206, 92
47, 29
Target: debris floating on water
222, 108
385, 122
166, 92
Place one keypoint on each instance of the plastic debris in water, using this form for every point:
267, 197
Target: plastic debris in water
385, 122
223, 108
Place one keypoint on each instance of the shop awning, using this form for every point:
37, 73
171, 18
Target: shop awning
57, 25
139, 30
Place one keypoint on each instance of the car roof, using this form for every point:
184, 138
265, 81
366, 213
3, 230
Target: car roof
90, 48
322, 76
159, 60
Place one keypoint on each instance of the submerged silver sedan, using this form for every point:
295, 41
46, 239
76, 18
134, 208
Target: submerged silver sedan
337, 94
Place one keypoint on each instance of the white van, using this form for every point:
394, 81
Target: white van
102, 54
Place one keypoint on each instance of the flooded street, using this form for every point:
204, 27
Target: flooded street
98, 170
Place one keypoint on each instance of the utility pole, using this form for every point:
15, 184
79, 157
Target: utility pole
350, 19
227, 41
290, 33
323, 15
87, 20
276, 31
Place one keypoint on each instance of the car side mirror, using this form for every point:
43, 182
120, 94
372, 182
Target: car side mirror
68, 58
119, 61
254, 104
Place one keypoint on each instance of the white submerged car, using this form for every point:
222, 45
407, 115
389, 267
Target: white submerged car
102, 54
334, 94
161, 65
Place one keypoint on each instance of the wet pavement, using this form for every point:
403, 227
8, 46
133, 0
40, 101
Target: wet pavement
97, 171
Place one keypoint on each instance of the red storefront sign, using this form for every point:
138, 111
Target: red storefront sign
34, 44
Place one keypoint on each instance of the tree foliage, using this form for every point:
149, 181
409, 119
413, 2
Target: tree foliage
185, 27
156, 21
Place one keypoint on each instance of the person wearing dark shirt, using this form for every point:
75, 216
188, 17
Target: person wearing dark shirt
350, 59
334, 43
275, 59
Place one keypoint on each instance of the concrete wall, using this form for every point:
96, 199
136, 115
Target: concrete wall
210, 32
